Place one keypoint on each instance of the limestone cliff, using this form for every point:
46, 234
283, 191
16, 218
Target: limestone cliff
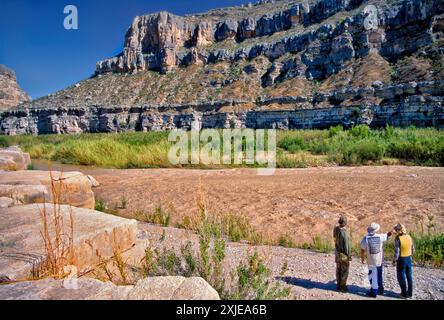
10, 92
163, 41
268, 57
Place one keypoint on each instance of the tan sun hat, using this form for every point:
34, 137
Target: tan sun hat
374, 227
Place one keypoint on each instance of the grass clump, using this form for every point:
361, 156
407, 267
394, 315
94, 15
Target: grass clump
429, 244
286, 241
159, 216
429, 249
319, 244
231, 226
101, 206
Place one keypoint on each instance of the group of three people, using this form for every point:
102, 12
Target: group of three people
372, 249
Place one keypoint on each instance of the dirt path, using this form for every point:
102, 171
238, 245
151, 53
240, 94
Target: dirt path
309, 275
300, 202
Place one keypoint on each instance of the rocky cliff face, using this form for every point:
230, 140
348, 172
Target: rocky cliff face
163, 41
419, 104
257, 59
10, 92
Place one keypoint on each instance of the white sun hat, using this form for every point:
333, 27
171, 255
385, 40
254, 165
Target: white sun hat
374, 227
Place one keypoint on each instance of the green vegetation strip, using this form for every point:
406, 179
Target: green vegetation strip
296, 148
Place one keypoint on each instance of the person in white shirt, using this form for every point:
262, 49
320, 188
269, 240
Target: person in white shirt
372, 248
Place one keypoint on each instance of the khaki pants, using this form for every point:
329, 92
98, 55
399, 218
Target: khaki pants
342, 273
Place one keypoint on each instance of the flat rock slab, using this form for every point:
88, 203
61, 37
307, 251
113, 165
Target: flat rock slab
6, 202
154, 288
13, 158
33, 186
96, 235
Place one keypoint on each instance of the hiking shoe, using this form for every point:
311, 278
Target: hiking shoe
371, 294
343, 289
381, 292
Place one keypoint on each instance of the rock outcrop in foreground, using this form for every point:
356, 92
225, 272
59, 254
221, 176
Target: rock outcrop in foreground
10, 92
34, 186
93, 239
156, 288
278, 64
13, 158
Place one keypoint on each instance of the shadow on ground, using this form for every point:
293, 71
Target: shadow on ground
331, 286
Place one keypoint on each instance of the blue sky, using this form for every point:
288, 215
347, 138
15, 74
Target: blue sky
47, 58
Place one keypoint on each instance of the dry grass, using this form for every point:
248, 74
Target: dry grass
58, 237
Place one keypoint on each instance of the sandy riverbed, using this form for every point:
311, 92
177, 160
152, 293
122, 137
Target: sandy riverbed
300, 202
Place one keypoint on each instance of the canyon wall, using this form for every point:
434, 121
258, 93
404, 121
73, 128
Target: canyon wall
164, 41
419, 104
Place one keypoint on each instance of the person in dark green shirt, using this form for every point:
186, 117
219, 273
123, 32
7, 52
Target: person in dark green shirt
342, 253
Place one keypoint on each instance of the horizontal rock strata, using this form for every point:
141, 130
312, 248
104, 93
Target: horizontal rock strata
419, 104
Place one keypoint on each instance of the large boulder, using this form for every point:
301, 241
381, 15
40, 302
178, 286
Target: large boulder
13, 158
156, 288
34, 186
96, 236
173, 288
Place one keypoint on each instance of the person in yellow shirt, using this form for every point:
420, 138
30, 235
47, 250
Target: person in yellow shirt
404, 249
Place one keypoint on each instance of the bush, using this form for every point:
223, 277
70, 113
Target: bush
361, 152
249, 280
421, 151
292, 144
333, 131
360, 131
252, 282
321, 147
